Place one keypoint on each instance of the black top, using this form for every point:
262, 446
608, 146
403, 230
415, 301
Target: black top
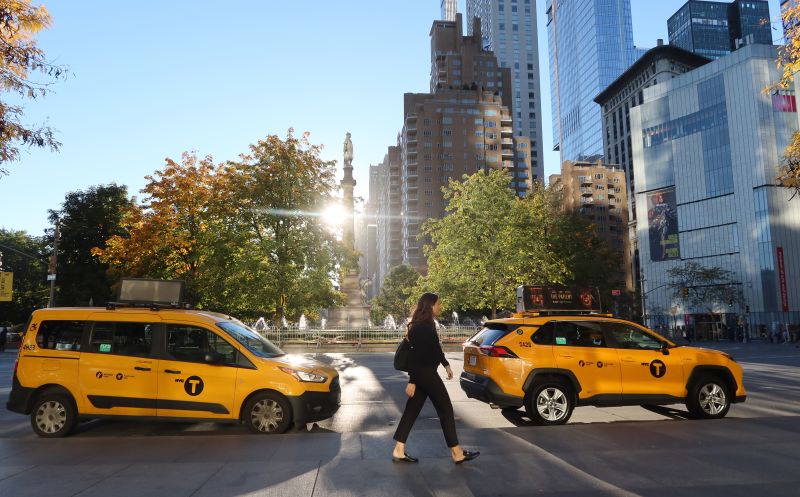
426, 352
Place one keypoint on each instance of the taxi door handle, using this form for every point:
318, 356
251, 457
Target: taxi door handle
139, 368
172, 371
566, 355
629, 359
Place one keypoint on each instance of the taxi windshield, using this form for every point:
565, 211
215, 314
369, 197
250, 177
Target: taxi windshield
250, 339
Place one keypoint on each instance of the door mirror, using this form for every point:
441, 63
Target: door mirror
665, 348
215, 358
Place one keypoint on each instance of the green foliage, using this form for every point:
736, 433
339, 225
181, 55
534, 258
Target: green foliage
395, 297
240, 234
280, 189
30, 288
87, 219
490, 242
703, 287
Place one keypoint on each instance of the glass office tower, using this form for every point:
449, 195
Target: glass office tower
591, 44
715, 29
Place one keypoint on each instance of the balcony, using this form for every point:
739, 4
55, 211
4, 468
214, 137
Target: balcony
411, 118
585, 180
506, 131
507, 152
507, 142
587, 200
506, 119
586, 192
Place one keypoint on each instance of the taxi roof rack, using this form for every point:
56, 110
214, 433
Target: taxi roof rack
153, 306
560, 312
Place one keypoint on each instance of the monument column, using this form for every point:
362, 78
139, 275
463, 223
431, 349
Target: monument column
355, 313
348, 184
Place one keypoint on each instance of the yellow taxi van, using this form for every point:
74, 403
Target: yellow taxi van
557, 352
150, 357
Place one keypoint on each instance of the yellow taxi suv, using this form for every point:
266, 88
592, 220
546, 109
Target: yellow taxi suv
162, 362
557, 353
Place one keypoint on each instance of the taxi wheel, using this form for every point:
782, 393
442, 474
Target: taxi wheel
54, 415
709, 398
267, 413
550, 403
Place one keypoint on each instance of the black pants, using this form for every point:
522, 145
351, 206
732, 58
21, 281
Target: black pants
429, 384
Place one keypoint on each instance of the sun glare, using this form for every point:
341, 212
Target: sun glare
333, 215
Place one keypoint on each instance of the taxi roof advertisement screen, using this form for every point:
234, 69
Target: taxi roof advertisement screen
556, 298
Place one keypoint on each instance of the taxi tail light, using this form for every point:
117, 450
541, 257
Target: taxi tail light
497, 351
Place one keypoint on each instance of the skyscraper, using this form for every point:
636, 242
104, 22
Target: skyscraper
509, 29
591, 44
462, 126
449, 10
715, 29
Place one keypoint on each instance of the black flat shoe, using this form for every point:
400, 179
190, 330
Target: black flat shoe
468, 456
405, 458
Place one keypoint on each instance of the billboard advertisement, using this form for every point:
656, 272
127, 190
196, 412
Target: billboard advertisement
552, 298
662, 225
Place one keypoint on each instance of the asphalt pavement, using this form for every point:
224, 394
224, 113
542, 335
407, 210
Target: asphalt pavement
627, 451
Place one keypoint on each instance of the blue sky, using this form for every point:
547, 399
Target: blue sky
151, 79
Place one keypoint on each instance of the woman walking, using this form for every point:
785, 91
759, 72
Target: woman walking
423, 360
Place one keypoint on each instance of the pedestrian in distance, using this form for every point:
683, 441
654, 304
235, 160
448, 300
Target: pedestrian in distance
3, 337
424, 382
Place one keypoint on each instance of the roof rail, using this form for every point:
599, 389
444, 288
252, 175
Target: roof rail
153, 306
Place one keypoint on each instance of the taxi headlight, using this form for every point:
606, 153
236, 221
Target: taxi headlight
305, 375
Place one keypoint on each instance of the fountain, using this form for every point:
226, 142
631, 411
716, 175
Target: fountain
389, 323
455, 318
323, 323
261, 325
303, 323
284, 323
369, 323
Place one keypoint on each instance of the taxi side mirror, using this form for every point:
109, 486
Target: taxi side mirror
214, 358
665, 348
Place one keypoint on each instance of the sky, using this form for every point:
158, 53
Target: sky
151, 79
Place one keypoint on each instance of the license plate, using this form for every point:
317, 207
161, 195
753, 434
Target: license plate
473, 360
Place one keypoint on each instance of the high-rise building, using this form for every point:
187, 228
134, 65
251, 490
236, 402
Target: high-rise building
597, 192
509, 29
591, 44
660, 64
449, 10
706, 150
714, 29
463, 125
389, 224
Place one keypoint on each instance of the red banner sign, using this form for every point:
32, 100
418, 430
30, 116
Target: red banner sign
782, 279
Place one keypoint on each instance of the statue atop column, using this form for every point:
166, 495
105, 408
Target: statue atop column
348, 151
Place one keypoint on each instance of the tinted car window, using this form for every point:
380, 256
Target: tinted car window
630, 337
579, 334
122, 338
60, 335
544, 335
488, 336
192, 344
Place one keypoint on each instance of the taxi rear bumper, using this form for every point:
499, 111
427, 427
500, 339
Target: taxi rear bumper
486, 390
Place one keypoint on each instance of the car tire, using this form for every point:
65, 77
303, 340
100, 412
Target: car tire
267, 413
54, 415
709, 398
550, 402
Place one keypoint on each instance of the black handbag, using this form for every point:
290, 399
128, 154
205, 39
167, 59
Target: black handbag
401, 355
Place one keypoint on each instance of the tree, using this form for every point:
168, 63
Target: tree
87, 219
489, 243
180, 231
19, 57
280, 189
395, 295
703, 287
26, 257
